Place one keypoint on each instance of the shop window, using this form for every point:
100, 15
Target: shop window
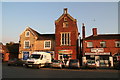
90, 57
65, 38
104, 57
27, 34
27, 44
102, 44
47, 44
89, 44
65, 56
117, 44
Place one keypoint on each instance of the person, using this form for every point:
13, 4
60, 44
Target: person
109, 63
97, 63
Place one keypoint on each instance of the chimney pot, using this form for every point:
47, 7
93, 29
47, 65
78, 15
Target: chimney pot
94, 31
83, 31
65, 10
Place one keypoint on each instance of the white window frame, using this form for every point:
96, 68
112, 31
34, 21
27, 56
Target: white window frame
89, 44
117, 42
25, 45
45, 44
67, 43
104, 44
26, 34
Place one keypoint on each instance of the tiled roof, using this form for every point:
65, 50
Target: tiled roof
43, 36
46, 37
103, 36
35, 32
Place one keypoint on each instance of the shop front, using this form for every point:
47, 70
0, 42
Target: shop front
64, 55
102, 59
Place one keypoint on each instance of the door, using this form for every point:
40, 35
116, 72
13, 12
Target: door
60, 57
25, 55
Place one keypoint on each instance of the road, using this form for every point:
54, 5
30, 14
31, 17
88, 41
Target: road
22, 72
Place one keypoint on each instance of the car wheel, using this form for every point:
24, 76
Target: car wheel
23, 65
38, 66
26, 66
16, 64
8, 64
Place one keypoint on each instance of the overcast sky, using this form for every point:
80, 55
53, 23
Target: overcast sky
41, 16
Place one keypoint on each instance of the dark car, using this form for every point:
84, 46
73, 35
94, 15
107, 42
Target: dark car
74, 63
57, 64
15, 62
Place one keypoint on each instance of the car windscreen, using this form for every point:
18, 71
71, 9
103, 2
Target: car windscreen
90, 61
36, 56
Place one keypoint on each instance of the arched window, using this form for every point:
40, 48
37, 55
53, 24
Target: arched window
27, 34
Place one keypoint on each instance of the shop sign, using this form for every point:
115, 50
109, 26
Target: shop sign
97, 50
25, 55
65, 51
97, 53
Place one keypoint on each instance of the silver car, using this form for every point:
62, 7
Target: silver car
57, 64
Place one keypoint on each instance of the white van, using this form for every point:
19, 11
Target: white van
38, 60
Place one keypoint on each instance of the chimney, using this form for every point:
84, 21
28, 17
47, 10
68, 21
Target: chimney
94, 31
83, 31
65, 10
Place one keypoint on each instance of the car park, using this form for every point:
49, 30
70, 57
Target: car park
74, 63
91, 64
15, 62
57, 64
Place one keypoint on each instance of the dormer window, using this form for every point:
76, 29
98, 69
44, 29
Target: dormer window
27, 34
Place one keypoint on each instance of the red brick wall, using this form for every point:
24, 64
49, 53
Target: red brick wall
6, 57
72, 27
110, 46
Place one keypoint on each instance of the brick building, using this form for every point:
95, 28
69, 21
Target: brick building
100, 47
31, 40
66, 37
4, 53
13, 49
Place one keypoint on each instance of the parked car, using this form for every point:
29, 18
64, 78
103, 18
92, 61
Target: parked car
91, 64
74, 63
15, 62
57, 64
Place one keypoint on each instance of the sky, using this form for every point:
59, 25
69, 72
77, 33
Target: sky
41, 16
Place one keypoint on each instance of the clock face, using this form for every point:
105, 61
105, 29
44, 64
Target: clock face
65, 18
